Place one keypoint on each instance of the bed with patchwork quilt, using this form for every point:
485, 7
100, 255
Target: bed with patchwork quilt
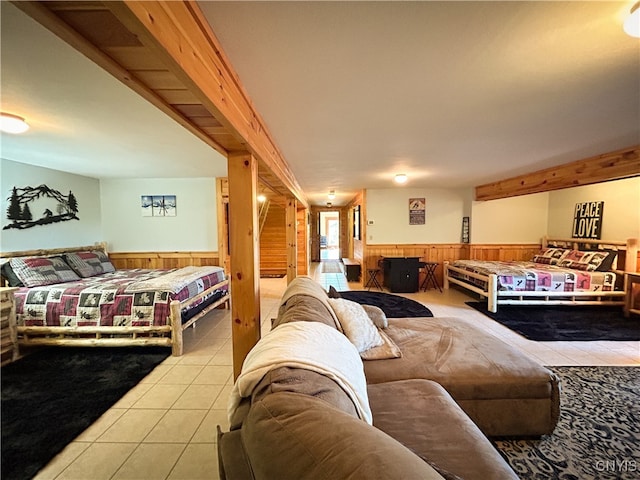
565, 272
77, 297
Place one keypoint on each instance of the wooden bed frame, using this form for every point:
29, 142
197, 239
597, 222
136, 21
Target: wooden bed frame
626, 262
169, 335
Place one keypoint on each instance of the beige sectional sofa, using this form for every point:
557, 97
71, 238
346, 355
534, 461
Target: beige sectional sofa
307, 406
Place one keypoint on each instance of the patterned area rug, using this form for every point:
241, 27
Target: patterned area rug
331, 266
598, 434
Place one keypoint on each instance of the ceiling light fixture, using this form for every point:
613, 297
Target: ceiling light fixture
10, 123
632, 23
261, 198
332, 194
401, 178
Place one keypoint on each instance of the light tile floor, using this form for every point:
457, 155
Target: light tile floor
165, 427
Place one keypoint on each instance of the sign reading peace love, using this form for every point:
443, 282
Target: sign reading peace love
587, 220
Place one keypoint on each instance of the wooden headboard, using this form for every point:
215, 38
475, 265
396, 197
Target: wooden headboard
6, 256
54, 251
627, 260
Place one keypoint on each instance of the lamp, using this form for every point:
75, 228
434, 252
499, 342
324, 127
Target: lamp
332, 194
632, 23
401, 178
10, 123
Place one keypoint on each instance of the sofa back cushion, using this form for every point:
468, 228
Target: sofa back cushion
303, 308
290, 436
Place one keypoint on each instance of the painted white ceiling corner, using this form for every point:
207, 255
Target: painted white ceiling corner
82, 119
455, 94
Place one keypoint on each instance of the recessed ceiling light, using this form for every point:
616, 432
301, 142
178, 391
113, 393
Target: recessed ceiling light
10, 123
401, 178
261, 198
632, 23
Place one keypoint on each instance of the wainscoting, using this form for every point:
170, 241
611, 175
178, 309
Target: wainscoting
159, 260
442, 252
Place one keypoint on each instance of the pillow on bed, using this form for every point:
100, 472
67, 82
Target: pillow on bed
89, 264
8, 273
589, 261
356, 324
550, 256
38, 271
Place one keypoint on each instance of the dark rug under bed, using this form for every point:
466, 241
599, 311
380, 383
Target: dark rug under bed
565, 323
393, 306
51, 396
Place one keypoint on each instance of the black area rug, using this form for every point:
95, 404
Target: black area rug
393, 306
565, 323
598, 434
53, 395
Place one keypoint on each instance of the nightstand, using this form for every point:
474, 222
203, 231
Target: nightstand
9, 344
630, 279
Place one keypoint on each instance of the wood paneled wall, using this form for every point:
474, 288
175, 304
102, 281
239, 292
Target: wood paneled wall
442, 252
303, 242
155, 260
273, 242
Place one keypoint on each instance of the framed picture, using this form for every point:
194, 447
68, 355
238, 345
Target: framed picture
417, 211
158, 205
356, 222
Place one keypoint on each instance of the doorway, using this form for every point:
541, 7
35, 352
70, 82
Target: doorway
329, 229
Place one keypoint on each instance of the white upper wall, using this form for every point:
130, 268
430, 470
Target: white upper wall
510, 220
620, 217
194, 228
389, 210
71, 233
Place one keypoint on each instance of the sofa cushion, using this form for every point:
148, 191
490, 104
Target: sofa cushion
304, 285
289, 436
387, 350
356, 324
303, 308
492, 381
448, 440
377, 316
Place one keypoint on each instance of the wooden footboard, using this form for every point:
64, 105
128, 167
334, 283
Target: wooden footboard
169, 335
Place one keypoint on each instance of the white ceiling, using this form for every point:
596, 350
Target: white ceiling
454, 94
82, 119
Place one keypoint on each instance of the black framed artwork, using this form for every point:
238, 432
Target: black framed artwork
356, 222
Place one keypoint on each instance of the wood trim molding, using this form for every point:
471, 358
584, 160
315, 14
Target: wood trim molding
624, 163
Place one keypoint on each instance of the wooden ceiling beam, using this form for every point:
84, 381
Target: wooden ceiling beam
41, 13
178, 33
615, 165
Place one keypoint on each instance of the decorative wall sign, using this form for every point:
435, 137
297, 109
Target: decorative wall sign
356, 222
417, 211
465, 229
55, 207
158, 205
587, 220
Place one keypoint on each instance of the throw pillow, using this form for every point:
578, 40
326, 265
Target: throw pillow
356, 324
551, 256
38, 271
89, 264
387, 350
8, 273
333, 293
377, 316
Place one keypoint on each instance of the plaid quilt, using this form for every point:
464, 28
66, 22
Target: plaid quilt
106, 300
536, 277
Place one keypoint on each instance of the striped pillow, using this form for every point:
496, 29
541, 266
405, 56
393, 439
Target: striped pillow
39, 271
89, 264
